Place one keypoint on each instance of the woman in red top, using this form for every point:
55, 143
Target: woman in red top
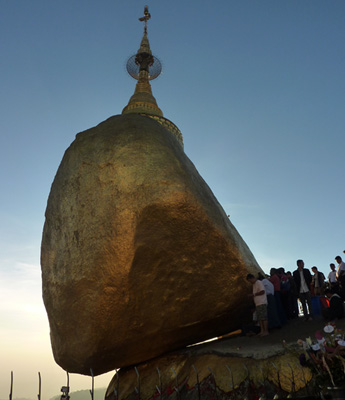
275, 279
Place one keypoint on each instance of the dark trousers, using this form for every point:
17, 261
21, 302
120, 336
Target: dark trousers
293, 306
305, 298
272, 313
280, 309
342, 287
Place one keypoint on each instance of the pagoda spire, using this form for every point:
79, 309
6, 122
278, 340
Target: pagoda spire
143, 67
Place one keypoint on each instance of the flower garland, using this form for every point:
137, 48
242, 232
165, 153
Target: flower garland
325, 355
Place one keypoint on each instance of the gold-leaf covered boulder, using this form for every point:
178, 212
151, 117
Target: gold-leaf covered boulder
138, 257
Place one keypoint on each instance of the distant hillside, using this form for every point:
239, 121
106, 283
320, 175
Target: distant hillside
82, 395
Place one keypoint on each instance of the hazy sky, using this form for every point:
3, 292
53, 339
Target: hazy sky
256, 87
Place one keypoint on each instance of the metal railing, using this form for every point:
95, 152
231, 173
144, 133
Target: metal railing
207, 389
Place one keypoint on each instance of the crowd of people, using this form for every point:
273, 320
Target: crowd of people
279, 295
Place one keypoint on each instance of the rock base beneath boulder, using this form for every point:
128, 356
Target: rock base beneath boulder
235, 368
210, 376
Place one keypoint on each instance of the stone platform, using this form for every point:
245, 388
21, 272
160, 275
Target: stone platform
216, 369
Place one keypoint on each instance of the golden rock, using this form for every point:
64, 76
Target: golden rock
138, 257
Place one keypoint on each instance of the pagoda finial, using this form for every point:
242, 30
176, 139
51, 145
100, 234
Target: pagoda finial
144, 66
145, 18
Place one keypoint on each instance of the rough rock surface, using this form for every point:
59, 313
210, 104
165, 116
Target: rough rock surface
213, 375
227, 369
138, 257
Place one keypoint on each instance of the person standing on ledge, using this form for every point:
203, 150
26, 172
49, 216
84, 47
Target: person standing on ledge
260, 300
341, 275
303, 278
332, 276
317, 281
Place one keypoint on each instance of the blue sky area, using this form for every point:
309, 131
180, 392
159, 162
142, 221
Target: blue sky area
256, 87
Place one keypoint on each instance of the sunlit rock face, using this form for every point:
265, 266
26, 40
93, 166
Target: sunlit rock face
138, 257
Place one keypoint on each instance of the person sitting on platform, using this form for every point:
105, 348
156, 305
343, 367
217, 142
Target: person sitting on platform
336, 306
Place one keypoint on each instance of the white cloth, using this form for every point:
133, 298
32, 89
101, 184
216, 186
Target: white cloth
269, 288
332, 277
258, 286
304, 287
341, 267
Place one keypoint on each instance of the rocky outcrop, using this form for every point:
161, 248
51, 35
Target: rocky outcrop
238, 367
209, 376
138, 257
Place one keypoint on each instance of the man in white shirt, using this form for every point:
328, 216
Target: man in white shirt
260, 300
341, 275
341, 267
272, 313
332, 276
269, 288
